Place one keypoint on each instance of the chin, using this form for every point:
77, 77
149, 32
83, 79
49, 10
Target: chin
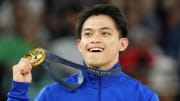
94, 64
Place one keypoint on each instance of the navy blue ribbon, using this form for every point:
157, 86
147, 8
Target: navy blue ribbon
52, 57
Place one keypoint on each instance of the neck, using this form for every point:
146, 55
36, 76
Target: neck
104, 68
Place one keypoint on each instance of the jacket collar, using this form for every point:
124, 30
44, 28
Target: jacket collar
95, 81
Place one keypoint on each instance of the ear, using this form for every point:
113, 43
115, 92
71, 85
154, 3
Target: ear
123, 44
79, 45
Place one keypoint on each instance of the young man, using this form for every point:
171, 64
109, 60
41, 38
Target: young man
102, 34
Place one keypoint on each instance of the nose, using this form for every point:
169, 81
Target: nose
96, 39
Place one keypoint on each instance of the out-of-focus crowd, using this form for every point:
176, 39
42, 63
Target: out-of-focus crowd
153, 56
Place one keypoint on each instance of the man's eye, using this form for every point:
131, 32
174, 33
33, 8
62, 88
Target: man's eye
87, 34
106, 33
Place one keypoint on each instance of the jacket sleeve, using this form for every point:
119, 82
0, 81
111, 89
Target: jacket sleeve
18, 91
154, 98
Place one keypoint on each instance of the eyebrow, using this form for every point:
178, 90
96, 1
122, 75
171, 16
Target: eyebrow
87, 29
106, 28
103, 28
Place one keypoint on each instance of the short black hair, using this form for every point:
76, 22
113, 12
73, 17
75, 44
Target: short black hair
105, 9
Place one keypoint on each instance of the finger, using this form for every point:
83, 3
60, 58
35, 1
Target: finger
26, 60
23, 66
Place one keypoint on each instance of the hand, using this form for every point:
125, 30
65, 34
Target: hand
22, 71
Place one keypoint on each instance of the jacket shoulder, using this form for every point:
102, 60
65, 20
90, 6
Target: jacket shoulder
133, 84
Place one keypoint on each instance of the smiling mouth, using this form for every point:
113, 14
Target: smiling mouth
96, 49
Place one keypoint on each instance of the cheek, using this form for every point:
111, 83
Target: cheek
115, 45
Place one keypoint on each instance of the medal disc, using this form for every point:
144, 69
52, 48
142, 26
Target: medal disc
36, 55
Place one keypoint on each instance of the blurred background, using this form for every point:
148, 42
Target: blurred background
153, 56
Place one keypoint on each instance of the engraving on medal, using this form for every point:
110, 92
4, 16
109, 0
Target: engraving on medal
36, 55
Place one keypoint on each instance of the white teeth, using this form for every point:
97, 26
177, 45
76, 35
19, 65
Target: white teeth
95, 49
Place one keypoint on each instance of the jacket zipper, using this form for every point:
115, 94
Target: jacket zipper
99, 89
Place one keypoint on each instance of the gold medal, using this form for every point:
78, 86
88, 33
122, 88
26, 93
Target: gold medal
36, 55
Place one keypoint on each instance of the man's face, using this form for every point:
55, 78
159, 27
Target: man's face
100, 43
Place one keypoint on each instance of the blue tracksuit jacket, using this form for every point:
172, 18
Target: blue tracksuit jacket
114, 88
